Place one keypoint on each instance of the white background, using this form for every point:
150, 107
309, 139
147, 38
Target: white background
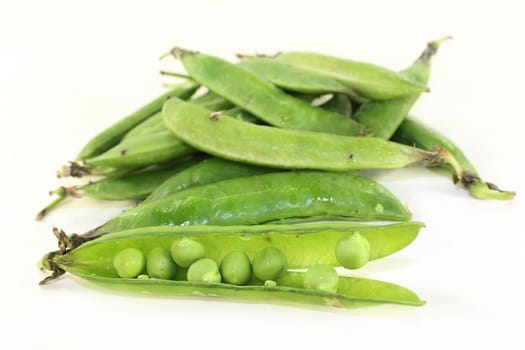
69, 69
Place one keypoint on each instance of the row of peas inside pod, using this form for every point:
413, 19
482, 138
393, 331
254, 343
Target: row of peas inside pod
235, 163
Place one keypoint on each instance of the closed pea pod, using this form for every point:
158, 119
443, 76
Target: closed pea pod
228, 138
274, 197
110, 136
383, 117
252, 93
368, 80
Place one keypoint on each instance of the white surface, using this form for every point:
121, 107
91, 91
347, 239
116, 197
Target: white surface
69, 69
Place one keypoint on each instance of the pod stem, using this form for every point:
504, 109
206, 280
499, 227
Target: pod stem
74, 169
62, 193
432, 48
480, 189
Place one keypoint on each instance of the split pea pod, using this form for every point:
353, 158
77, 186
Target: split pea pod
207, 171
275, 197
303, 246
368, 80
261, 98
133, 186
232, 139
384, 117
112, 135
414, 132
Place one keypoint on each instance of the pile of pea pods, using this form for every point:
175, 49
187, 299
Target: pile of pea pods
246, 177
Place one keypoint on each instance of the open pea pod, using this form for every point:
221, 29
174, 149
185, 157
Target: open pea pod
303, 245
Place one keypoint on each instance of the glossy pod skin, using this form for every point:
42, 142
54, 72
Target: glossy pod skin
414, 132
112, 135
131, 186
251, 93
368, 80
235, 140
207, 171
384, 117
275, 197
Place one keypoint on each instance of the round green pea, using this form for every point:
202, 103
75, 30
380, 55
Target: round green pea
321, 277
204, 270
129, 262
160, 264
236, 268
269, 263
352, 252
186, 251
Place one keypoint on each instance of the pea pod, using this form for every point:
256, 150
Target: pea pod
232, 139
154, 124
110, 136
303, 244
253, 94
383, 117
207, 171
368, 80
413, 132
339, 103
136, 185
267, 198
294, 78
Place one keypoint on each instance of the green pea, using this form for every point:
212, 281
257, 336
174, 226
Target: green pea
269, 263
160, 264
129, 262
186, 251
353, 251
236, 268
321, 277
204, 270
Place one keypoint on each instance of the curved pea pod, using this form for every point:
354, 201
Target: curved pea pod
207, 171
132, 186
112, 135
274, 197
368, 80
294, 78
261, 98
232, 139
413, 132
383, 117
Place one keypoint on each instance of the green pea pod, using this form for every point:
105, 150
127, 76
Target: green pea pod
303, 245
251, 93
413, 132
368, 80
264, 199
294, 78
140, 151
339, 103
384, 117
357, 292
112, 135
129, 186
235, 140
207, 171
